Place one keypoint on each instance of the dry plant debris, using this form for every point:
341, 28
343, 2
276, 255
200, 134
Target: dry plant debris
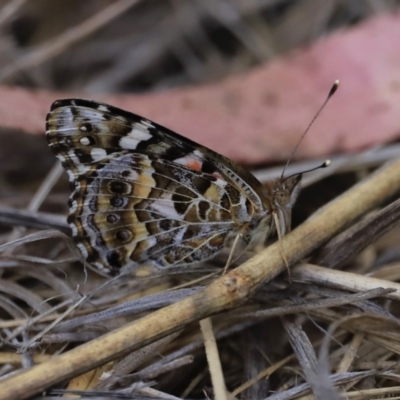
333, 332
116, 321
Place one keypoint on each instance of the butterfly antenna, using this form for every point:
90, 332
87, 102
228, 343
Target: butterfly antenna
325, 164
331, 93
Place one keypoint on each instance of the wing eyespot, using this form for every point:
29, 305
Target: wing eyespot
86, 127
124, 235
117, 201
112, 218
119, 187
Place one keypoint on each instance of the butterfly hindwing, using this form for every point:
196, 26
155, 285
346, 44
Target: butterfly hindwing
143, 193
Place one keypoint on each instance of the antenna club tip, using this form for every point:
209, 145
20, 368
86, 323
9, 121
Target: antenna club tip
334, 88
327, 163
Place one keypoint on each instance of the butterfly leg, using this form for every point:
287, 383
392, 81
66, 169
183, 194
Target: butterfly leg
278, 231
229, 260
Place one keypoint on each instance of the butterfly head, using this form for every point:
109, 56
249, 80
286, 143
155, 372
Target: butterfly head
286, 191
284, 194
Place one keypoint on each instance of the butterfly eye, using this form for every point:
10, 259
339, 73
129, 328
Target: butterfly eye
282, 197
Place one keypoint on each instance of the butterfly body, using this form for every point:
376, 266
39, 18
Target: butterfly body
144, 194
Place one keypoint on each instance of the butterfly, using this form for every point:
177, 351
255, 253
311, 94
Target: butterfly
143, 194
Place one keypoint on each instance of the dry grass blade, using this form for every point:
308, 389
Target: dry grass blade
222, 294
52, 177
358, 237
344, 280
10, 9
67, 39
30, 219
133, 360
19, 292
33, 238
303, 349
261, 375
142, 304
317, 377
214, 362
338, 379
315, 305
350, 354
381, 393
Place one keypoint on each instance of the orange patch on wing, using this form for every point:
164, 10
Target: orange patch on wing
195, 165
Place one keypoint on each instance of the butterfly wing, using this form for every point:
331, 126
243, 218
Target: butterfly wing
142, 192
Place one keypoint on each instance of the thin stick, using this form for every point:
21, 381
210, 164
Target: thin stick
214, 362
344, 280
224, 293
51, 179
351, 353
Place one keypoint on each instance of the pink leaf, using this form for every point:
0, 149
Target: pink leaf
259, 115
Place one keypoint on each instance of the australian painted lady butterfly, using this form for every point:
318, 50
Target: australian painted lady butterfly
144, 194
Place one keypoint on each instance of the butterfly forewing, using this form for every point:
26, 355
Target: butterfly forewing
142, 193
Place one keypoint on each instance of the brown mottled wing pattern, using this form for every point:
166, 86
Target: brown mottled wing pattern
142, 193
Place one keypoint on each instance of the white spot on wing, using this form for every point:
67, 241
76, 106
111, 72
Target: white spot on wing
100, 266
187, 160
83, 250
67, 120
82, 169
98, 154
147, 123
134, 137
102, 108
63, 130
73, 207
166, 208
74, 229
84, 140
133, 176
71, 175
72, 156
